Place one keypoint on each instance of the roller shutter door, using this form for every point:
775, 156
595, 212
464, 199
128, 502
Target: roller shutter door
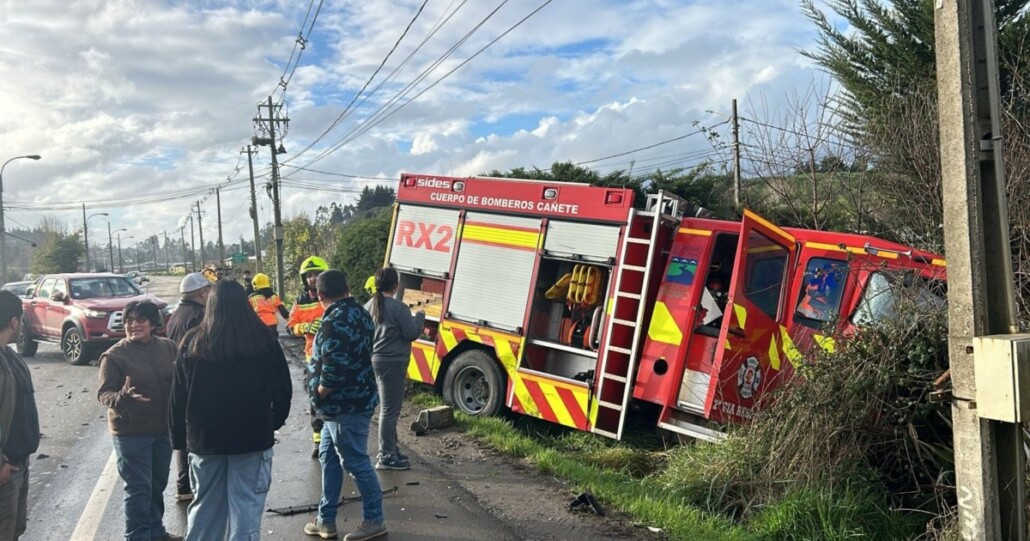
590, 242
424, 240
492, 277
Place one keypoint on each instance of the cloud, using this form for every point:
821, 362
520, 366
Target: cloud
126, 98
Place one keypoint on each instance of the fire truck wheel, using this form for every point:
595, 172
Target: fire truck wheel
474, 384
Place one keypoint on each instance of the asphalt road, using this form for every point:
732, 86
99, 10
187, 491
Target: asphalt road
455, 489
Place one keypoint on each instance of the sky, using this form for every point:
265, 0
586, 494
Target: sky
141, 108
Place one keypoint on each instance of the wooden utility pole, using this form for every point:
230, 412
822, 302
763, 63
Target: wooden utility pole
221, 247
182, 234
193, 244
989, 460
272, 120
200, 232
736, 157
253, 212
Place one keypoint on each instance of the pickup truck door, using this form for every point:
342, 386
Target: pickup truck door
39, 305
750, 359
58, 310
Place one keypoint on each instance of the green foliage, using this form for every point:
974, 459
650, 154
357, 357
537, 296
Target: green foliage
361, 248
834, 513
888, 51
57, 253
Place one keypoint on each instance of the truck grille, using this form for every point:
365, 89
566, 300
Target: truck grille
115, 323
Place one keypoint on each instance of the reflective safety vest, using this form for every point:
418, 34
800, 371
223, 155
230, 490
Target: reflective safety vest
266, 307
305, 311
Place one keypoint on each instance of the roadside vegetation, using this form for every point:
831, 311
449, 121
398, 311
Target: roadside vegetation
855, 449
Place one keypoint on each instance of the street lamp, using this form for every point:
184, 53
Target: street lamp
85, 230
110, 243
3, 242
119, 235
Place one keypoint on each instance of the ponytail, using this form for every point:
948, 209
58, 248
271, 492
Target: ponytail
386, 279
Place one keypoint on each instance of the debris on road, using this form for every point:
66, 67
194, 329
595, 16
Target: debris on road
432, 419
311, 507
587, 499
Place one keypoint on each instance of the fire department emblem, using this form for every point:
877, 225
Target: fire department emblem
749, 377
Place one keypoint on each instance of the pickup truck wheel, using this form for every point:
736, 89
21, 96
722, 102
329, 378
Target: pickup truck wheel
75, 350
26, 345
475, 384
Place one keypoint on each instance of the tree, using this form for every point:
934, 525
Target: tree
361, 247
885, 64
57, 253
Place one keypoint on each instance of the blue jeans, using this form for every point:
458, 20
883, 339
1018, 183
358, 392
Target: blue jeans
230, 495
143, 464
348, 436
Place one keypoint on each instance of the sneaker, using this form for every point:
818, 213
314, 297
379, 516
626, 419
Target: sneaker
316, 528
368, 530
392, 463
403, 457
314, 452
184, 497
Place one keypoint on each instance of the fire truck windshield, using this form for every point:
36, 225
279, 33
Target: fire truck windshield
891, 294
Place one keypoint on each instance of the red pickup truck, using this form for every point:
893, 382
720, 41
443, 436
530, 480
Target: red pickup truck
80, 311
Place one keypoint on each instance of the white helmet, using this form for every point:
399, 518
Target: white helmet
193, 282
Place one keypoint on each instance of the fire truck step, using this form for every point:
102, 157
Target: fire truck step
614, 377
611, 435
609, 405
634, 240
617, 349
628, 295
637, 268
625, 322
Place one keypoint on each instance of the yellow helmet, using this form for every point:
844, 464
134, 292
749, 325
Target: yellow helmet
261, 281
210, 274
312, 264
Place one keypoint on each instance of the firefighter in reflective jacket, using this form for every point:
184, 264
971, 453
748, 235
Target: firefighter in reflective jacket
305, 319
266, 303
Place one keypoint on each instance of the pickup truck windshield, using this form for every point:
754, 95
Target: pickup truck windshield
103, 288
888, 295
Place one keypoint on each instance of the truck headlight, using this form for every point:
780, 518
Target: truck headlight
95, 314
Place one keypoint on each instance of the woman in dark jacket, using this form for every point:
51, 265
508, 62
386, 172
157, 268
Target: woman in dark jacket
230, 393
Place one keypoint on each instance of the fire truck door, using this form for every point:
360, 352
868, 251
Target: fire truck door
751, 353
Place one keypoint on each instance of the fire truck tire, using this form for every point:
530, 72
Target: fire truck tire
475, 384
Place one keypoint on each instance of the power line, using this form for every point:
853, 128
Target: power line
660, 143
364, 128
371, 77
299, 45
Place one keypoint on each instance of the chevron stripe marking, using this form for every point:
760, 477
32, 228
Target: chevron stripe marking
542, 406
574, 408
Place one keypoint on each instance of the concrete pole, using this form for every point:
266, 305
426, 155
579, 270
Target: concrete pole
989, 460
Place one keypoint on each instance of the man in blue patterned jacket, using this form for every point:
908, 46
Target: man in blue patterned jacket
342, 390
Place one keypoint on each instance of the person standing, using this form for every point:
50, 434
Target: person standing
231, 392
135, 383
396, 328
305, 318
19, 423
194, 289
342, 390
266, 303
246, 283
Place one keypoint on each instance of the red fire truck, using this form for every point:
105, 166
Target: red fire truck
562, 301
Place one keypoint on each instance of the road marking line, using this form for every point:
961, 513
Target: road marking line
93, 514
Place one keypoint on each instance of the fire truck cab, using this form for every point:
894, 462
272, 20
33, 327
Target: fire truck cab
563, 302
